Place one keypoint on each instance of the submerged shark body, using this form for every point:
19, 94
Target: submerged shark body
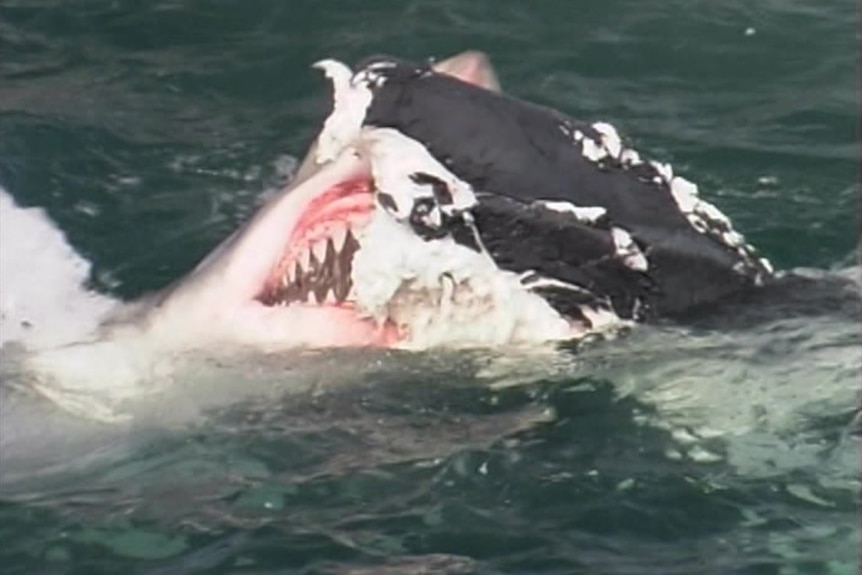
432, 210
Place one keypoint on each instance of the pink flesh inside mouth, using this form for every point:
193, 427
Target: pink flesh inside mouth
317, 262
315, 269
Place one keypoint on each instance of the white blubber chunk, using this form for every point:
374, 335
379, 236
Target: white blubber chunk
439, 293
395, 157
351, 101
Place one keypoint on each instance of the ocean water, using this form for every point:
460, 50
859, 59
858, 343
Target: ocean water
148, 131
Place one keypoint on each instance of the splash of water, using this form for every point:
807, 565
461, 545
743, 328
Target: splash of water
42, 299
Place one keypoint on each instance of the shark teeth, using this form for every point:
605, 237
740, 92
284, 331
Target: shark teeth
339, 235
303, 259
320, 274
319, 250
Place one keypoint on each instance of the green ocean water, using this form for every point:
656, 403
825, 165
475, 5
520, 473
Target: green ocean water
150, 130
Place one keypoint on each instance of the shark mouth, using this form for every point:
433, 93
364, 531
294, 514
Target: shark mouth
317, 266
381, 246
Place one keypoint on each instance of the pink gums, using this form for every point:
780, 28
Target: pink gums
343, 202
350, 202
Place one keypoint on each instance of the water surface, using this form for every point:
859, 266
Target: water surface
149, 131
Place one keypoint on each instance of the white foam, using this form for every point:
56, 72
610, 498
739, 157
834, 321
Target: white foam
42, 299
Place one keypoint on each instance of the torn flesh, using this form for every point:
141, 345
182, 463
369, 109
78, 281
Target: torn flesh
432, 292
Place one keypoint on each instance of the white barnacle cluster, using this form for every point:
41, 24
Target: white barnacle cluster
708, 219
352, 94
608, 145
702, 215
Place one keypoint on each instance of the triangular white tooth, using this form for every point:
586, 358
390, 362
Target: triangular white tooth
304, 257
339, 234
330, 298
320, 250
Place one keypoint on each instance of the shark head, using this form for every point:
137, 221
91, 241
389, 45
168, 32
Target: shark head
433, 209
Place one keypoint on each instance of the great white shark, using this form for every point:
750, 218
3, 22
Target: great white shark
432, 209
